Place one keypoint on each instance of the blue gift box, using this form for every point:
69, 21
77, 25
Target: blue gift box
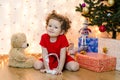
92, 44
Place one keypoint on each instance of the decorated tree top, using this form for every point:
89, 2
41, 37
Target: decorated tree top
104, 13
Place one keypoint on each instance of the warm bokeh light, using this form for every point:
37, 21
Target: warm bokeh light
28, 16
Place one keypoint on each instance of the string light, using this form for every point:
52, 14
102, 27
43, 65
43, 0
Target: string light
28, 16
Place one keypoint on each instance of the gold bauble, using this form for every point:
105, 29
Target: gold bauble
111, 2
85, 10
105, 50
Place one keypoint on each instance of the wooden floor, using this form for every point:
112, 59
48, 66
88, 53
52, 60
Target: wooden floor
9, 73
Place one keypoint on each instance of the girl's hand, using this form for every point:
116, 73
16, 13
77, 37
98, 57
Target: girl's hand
58, 72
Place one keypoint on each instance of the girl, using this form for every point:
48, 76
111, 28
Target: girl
55, 42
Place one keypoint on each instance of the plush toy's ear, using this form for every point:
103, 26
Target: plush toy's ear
62, 32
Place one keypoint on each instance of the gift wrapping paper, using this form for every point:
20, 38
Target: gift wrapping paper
96, 62
92, 44
113, 47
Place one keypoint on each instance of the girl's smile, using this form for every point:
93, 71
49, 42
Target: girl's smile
53, 28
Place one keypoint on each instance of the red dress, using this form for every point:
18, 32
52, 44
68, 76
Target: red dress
55, 47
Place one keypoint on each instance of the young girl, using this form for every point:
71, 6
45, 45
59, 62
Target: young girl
55, 42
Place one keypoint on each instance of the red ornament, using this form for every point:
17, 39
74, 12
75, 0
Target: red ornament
102, 28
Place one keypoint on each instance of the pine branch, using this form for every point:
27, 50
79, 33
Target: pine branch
100, 13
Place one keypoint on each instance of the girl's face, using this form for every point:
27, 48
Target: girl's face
54, 28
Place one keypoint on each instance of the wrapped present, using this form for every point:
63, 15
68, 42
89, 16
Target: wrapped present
113, 49
91, 43
96, 62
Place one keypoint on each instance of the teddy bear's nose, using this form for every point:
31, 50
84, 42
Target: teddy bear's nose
27, 44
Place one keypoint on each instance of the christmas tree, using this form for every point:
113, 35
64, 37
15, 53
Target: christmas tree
103, 13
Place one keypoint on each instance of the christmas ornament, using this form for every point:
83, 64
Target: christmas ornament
105, 50
108, 14
83, 4
102, 28
85, 10
111, 2
83, 52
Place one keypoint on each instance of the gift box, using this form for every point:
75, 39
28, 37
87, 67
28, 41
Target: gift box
113, 48
96, 62
92, 44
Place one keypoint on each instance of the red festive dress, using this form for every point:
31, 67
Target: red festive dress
55, 47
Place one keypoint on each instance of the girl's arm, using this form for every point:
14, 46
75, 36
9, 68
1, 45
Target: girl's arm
62, 59
44, 54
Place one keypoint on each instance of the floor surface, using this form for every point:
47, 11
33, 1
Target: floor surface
9, 73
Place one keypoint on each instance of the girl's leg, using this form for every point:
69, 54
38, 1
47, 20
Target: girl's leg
72, 66
38, 64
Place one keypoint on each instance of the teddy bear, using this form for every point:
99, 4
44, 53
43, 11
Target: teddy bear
17, 55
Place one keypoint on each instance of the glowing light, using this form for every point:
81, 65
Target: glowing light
34, 48
29, 16
7, 10
96, 28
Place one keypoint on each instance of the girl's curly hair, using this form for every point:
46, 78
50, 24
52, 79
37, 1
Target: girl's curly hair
65, 22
